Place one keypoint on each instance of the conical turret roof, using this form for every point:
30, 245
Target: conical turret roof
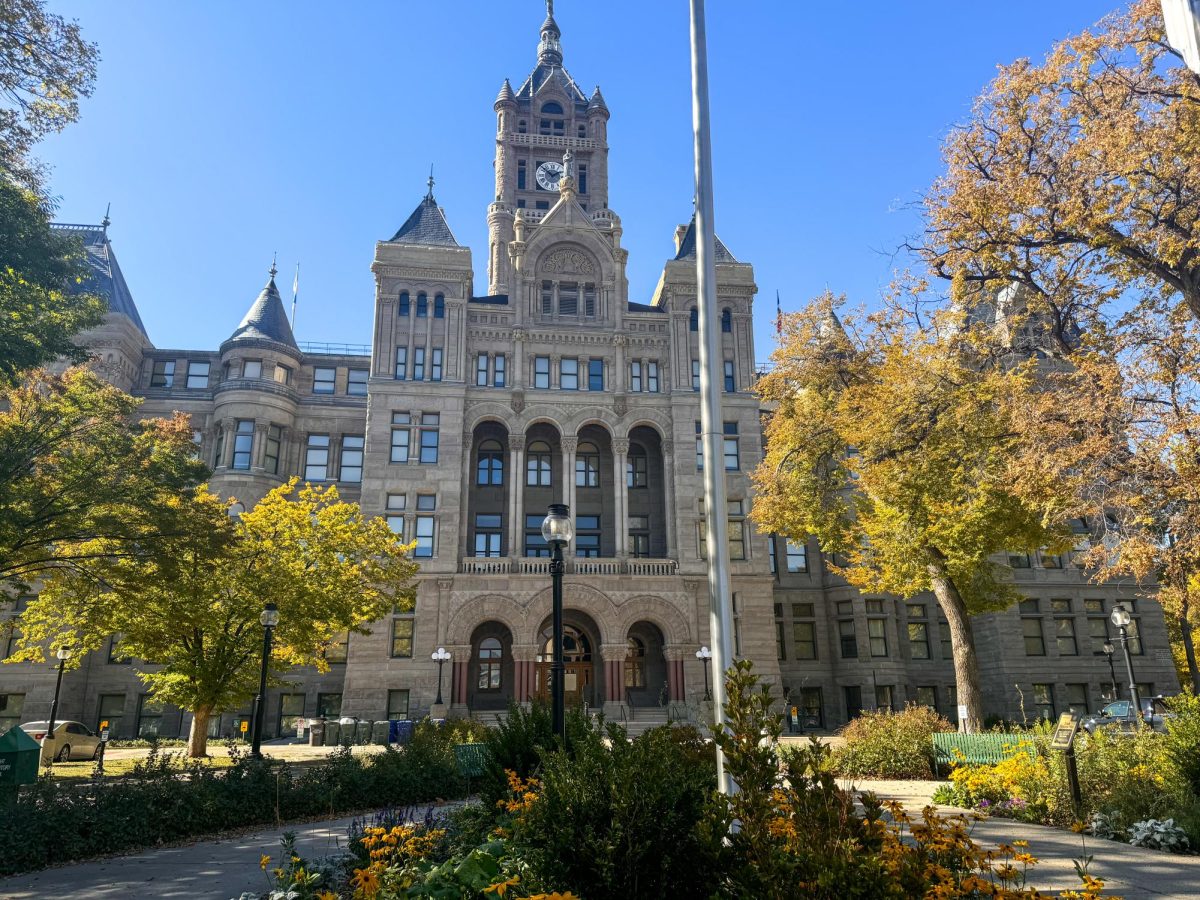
426, 225
266, 320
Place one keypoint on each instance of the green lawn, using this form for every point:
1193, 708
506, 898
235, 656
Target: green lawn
113, 768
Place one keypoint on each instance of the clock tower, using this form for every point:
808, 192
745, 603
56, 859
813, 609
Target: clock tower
547, 117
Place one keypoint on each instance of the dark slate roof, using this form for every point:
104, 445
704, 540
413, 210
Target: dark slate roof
105, 278
266, 319
506, 94
644, 307
546, 72
491, 299
687, 247
426, 225
597, 101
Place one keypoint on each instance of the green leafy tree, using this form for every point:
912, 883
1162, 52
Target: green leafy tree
45, 68
188, 605
39, 312
894, 447
78, 467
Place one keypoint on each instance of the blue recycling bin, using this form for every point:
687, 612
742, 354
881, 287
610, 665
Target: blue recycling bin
400, 731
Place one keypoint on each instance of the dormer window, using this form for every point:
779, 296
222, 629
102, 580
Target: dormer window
521, 127
551, 121
583, 131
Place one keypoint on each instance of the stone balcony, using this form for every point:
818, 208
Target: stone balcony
540, 565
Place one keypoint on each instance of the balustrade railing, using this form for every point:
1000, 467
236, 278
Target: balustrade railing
540, 565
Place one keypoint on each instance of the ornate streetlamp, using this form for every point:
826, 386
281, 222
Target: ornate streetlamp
440, 656
63, 654
269, 619
1108, 651
557, 529
704, 655
1121, 618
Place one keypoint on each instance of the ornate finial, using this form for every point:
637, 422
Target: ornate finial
550, 8
107, 221
273, 271
429, 196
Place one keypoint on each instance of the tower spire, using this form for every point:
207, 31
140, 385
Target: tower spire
273, 271
429, 195
107, 221
550, 49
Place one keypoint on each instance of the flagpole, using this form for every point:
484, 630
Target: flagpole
711, 427
295, 294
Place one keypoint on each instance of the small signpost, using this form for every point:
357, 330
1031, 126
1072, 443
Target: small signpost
103, 747
1064, 739
244, 727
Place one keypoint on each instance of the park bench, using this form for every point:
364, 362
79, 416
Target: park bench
472, 760
951, 748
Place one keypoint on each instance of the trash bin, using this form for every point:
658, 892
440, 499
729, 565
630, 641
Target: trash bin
380, 732
347, 724
400, 731
331, 734
316, 732
362, 733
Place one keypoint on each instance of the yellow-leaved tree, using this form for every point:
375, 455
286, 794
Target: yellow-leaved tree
893, 446
187, 606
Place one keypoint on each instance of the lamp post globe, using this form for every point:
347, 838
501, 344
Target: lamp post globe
1122, 619
704, 655
62, 654
269, 618
440, 656
558, 530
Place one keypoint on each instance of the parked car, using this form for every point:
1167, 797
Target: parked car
72, 740
1119, 713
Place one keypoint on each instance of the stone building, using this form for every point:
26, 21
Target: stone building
468, 415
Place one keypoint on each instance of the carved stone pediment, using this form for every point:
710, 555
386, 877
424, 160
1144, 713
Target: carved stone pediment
567, 262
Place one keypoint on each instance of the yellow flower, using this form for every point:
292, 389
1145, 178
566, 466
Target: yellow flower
500, 888
366, 881
264, 862
327, 895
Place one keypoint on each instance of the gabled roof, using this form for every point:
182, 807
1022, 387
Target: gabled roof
426, 225
559, 76
266, 320
104, 278
687, 247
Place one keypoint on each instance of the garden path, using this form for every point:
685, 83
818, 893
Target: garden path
1130, 872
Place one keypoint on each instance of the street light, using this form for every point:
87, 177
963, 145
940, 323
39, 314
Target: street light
1121, 618
1108, 651
269, 619
440, 656
704, 655
557, 529
63, 654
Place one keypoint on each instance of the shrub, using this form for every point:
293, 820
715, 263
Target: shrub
1159, 834
626, 820
1183, 738
886, 744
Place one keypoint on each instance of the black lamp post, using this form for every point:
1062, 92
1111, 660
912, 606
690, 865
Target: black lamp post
1121, 618
704, 655
557, 529
63, 654
269, 619
1108, 651
440, 655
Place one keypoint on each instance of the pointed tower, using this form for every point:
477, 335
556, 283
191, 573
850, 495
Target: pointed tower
535, 124
266, 321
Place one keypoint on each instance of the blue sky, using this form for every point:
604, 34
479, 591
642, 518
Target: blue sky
223, 131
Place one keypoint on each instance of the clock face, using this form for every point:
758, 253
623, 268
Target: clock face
548, 174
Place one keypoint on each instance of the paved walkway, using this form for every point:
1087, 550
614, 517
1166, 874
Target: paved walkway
223, 869
1130, 872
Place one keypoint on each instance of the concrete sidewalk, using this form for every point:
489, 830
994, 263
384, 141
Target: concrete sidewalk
1130, 872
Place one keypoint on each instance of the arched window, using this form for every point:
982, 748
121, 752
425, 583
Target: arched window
694, 319
490, 468
583, 131
576, 646
587, 466
635, 664
491, 656
521, 127
439, 307
552, 109
403, 310
422, 306
726, 320
537, 465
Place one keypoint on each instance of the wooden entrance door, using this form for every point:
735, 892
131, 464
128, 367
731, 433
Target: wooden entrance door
578, 668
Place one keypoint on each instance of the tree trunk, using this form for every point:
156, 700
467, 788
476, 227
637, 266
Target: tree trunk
962, 642
197, 745
1189, 646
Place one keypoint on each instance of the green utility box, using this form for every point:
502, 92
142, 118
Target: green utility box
19, 756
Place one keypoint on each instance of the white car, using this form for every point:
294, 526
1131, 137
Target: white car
72, 740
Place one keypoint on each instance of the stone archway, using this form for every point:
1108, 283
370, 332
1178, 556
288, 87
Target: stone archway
585, 676
645, 668
491, 682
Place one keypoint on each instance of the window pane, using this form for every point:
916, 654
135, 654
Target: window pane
402, 638
323, 380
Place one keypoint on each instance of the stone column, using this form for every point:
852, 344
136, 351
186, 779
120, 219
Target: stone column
460, 674
258, 457
674, 656
516, 495
669, 499
621, 482
614, 677
229, 427
556, 371
524, 671
620, 381
569, 446
515, 376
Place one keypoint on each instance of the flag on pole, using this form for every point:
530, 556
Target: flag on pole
1182, 20
778, 315
295, 294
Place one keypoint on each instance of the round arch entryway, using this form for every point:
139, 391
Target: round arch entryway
583, 681
645, 669
490, 676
